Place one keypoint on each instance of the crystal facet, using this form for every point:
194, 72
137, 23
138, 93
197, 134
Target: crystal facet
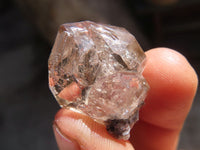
97, 70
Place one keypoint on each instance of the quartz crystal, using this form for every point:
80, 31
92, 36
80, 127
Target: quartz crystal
97, 69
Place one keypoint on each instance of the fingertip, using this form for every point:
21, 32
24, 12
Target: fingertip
173, 83
86, 132
172, 67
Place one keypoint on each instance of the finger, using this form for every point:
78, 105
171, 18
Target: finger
173, 84
75, 131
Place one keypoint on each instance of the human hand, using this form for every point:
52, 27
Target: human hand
173, 84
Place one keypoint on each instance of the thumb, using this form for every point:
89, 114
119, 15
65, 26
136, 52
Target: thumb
75, 131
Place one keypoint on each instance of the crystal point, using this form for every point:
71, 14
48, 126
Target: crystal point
97, 69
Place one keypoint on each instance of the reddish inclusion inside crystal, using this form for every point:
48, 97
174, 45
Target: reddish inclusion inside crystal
71, 92
51, 82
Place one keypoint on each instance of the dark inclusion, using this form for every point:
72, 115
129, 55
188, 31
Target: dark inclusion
117, 127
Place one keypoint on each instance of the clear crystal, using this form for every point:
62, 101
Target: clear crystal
97, 70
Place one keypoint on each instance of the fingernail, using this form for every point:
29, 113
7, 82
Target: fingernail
64, 142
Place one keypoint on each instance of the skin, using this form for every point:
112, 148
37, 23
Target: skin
173, 84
